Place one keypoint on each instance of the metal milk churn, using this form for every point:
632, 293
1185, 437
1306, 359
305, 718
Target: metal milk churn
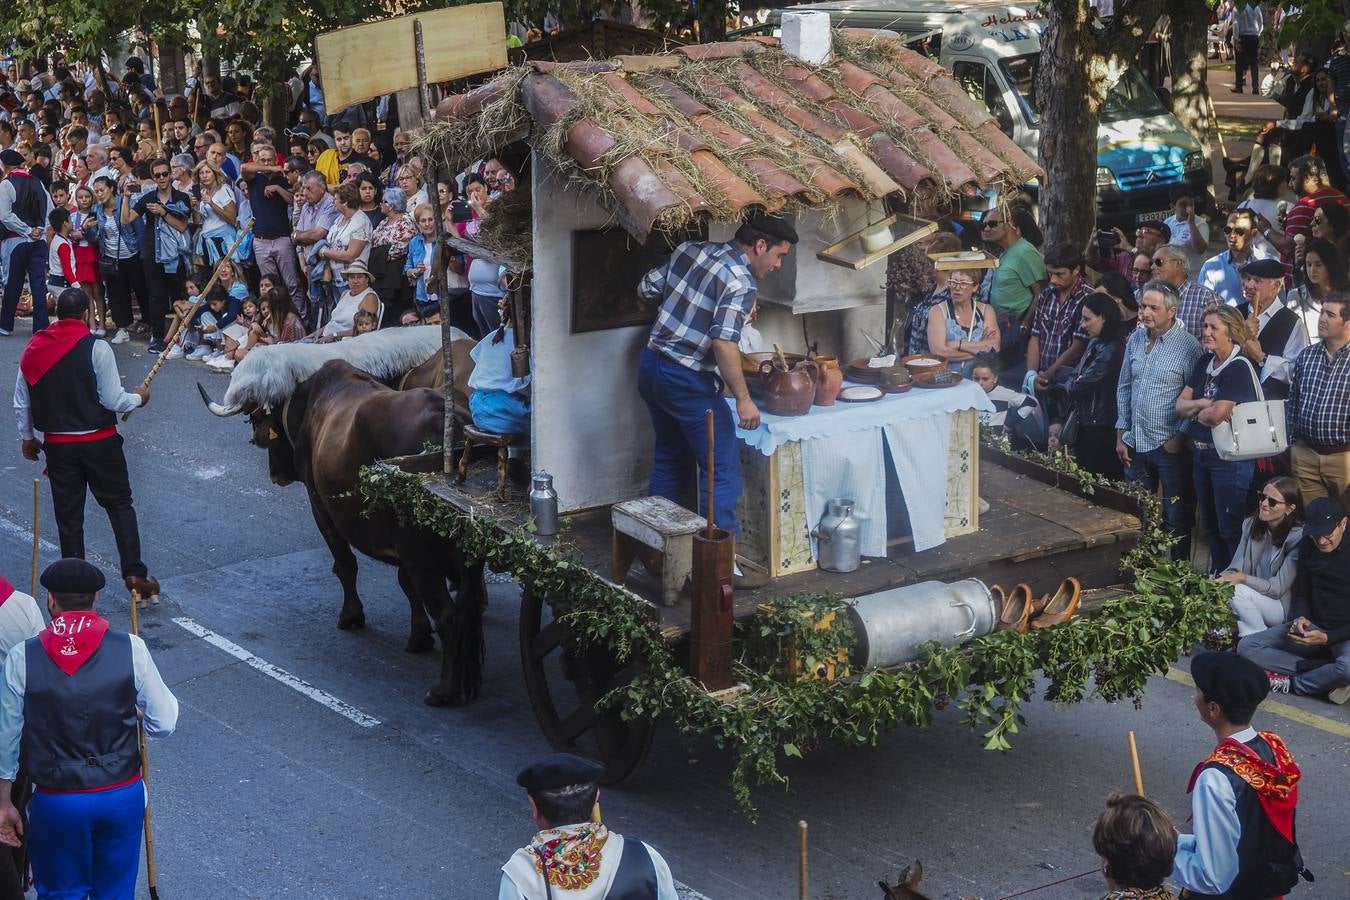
544, 504
892, 625
838, 538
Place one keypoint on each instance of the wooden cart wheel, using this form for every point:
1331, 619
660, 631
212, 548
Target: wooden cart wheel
564, 685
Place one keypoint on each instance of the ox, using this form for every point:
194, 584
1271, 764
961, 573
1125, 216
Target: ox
331, 424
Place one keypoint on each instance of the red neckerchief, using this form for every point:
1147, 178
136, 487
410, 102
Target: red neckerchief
6, 590
73, 637
21, 171
1276, 784
47, 347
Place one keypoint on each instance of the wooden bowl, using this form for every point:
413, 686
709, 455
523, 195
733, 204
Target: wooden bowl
922, 364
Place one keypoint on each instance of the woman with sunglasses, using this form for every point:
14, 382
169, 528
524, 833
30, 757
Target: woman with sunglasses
1330, 222
962, 329
1263, 567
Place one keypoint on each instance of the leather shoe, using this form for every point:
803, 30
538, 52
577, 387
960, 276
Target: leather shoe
1062, 606
146, 588
1015, 609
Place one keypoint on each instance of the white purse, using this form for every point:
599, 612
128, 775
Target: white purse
1255, 430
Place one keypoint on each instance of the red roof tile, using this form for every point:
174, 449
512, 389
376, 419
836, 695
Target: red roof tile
714, 128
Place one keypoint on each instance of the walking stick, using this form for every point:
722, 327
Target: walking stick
183, 323
1134, 764
802, 874
150, 875
37, 525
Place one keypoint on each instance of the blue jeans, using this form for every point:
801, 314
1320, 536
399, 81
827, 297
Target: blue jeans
1221, 493
87, 844
679, 399
1149, 468
1315, 670
26, 259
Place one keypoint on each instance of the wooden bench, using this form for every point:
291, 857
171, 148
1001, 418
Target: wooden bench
664, 527
476, 437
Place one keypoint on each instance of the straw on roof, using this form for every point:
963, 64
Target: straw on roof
714, 130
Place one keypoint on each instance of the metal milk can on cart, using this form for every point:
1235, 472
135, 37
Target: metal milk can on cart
838, 538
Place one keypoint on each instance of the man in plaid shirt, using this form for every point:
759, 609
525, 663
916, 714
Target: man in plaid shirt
707, 292
1057, 336
1318, 408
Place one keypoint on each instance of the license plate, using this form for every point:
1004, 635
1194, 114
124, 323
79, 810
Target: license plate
1151, 216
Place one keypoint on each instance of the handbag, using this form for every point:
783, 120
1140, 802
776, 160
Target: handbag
1255, 430
1068, 432
107, 267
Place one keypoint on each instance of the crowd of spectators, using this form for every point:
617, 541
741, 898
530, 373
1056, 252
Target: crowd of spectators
155, 190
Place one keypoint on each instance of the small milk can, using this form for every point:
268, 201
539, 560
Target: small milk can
838, 538
544, 504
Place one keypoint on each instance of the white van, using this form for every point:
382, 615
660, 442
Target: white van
1143, 151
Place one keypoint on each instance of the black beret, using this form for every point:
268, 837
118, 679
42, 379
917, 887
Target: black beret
72, 576
1264, 268
1234, 682
774, 226
11, 157
559, 770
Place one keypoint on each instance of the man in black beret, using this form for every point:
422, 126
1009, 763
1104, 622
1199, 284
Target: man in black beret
70, 701
1276, 334
1243, 795
573, 856
68, 389
1311, 651
706, 294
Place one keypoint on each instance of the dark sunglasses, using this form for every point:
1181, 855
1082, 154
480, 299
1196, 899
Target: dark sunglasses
1158, 262
991, 224
1143, 271
1271, 501
1228, 229
160, 174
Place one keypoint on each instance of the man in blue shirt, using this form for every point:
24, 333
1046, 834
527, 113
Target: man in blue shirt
707, 292
1222, 274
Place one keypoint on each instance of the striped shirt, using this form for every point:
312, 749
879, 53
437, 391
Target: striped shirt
1150, 382
1194, 301
706, 291
1318, 409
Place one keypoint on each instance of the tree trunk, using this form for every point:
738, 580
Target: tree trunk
1069, 103
1079, 63
1190, 26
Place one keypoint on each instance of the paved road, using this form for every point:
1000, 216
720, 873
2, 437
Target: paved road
266, 792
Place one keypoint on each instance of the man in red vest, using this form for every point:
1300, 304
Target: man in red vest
68, 389
1243, 795
70, 701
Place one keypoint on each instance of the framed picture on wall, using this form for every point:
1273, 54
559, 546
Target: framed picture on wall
607, 265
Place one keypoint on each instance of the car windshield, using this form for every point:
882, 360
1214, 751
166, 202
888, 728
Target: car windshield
1130, 98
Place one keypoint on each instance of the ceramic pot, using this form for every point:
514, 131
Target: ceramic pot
789, 393
830, 380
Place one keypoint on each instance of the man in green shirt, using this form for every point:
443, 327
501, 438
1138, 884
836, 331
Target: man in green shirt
1013, 286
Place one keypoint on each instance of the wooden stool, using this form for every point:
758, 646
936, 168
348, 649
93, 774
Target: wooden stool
663, 526
474, 437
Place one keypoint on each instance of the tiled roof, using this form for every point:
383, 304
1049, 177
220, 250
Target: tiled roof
714, 128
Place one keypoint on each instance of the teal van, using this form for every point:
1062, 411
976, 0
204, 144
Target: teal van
1143, 151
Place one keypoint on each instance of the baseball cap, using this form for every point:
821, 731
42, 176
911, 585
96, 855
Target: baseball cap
1324, 514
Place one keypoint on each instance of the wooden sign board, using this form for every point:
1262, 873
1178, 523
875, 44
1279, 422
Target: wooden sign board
367, 61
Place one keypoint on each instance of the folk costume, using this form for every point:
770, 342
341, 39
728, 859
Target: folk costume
68, 389
20, 619
583, 861
69, 700
1243, 798
1280, 332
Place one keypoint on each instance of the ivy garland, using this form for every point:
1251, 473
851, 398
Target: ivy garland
781, 710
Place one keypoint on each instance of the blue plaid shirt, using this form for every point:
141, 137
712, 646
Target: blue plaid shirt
1151, 382
706, 291
1318, 409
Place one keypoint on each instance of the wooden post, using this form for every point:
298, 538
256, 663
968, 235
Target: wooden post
803, 875
1134, 765
711, 617
430, 169
37, 525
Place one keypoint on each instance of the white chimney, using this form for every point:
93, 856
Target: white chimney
806, 35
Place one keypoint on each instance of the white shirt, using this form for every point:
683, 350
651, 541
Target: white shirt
20, 619
211, 220
11, 221
111, 396
344, 312
343, 232
492, 365
1278, 366
152, 696
1249, 20
1207, 860
1181, 238
509, 890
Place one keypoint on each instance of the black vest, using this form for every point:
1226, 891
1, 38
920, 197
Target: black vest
65, 398
1268, 865
636, 877
79, 731
1273, 338
29, 203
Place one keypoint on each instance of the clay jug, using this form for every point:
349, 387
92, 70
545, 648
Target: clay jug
790, 392
830, 380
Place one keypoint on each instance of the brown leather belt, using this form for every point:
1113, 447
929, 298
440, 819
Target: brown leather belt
1326, 449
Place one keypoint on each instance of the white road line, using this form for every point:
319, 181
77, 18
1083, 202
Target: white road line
25, 534
319, 696
687, 893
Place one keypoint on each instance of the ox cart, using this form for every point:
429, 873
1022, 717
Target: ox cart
617, 160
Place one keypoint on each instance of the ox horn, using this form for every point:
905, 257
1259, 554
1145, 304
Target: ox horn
218, 409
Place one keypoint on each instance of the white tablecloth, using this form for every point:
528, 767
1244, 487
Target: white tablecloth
917, 431
892, 409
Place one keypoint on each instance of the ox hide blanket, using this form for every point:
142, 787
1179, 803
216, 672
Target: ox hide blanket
270, 374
